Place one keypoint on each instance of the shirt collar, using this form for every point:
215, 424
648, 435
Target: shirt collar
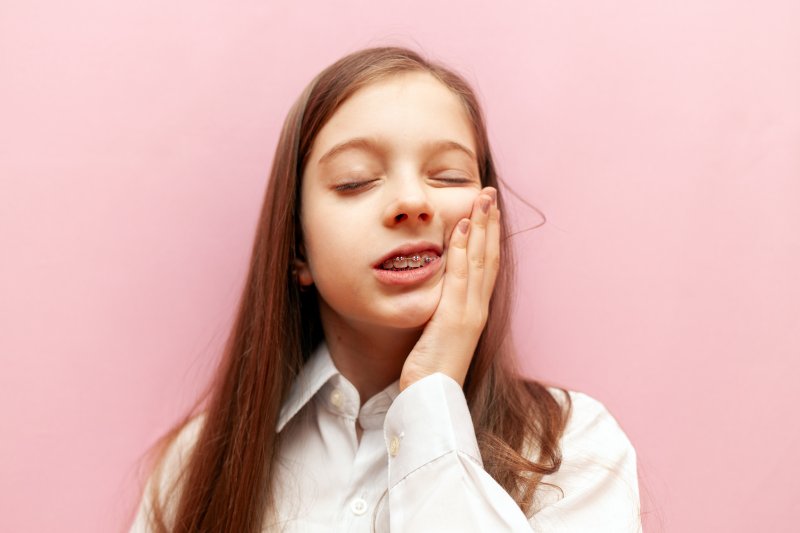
315, 373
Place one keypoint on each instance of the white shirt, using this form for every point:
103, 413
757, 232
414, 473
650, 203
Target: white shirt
417, 466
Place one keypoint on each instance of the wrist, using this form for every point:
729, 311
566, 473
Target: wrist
411, 375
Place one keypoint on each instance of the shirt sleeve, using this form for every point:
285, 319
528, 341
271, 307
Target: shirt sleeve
437, 481
141, 521
175, 457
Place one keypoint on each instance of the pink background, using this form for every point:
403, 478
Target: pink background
661, 139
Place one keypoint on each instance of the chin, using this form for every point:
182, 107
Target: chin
409, 315
415, 321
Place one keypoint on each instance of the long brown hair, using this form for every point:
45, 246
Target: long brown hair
225, 482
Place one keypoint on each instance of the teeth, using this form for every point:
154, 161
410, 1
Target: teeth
409, 262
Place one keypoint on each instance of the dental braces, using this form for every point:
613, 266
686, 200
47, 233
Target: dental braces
427, 259
389, 263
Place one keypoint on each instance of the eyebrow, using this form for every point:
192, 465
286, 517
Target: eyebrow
373, 145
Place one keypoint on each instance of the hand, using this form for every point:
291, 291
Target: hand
449, 339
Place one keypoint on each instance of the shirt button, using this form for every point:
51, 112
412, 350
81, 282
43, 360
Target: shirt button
337, 399
358, 506
394, 446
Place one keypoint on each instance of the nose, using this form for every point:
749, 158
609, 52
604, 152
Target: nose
410, 204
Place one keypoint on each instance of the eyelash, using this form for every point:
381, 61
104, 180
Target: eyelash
352, 186
355, 185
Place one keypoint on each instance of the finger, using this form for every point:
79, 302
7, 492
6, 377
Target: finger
454, 290
476, 249
492, 253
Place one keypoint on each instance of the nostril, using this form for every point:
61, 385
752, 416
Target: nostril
424, 217
401, 217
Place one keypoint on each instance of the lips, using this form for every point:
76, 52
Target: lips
409, 249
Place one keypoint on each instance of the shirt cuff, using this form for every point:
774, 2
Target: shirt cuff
428, 420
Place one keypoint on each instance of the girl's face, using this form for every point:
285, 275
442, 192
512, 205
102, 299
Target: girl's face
393, 167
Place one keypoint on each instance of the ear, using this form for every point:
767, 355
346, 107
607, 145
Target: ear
300, 268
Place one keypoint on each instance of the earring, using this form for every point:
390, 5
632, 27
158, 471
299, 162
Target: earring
296, 278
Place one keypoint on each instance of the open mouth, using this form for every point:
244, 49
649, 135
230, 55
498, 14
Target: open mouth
410, 262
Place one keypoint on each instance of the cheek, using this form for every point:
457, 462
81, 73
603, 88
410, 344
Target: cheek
457, 206
332, 242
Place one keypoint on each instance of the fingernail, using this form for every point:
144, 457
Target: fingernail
493, 194
463, 226
485, 203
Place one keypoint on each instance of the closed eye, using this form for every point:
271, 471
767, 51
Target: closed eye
356, 185
453, 180
352, 186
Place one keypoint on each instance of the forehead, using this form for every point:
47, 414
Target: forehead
406, 112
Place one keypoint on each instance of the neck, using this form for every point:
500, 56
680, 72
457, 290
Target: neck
370, 357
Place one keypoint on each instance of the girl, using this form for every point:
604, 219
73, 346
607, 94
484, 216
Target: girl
369, 383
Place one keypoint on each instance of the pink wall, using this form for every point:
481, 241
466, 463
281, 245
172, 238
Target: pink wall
662, 141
